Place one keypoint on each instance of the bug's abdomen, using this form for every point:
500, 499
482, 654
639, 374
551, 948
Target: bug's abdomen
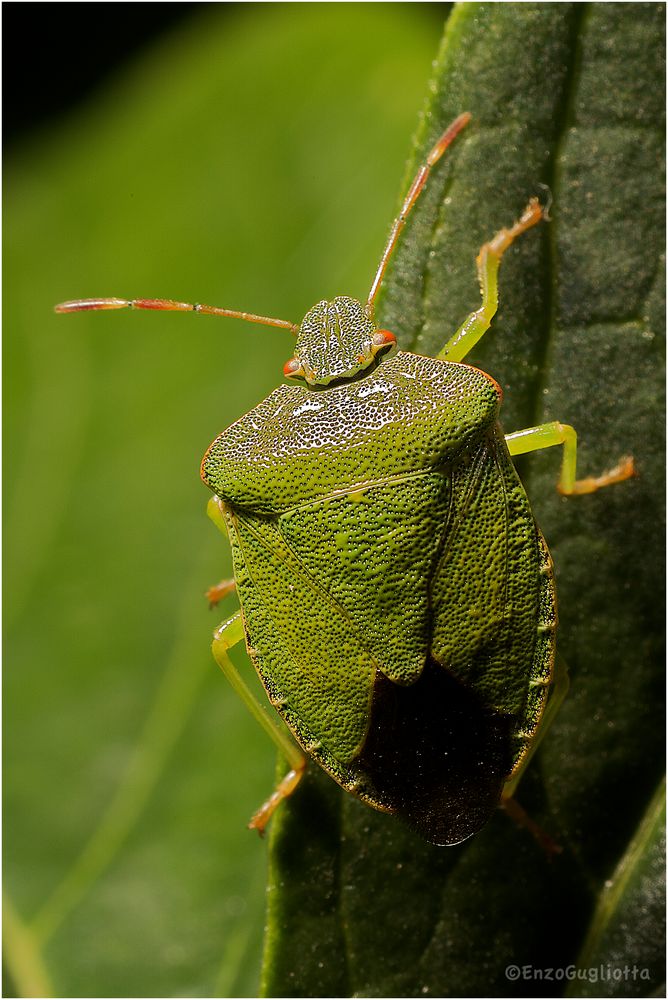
543, 661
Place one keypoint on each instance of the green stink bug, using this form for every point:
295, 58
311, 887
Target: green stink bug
397, 597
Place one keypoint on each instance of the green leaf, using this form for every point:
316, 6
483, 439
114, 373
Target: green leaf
569, 96
249, 160
630, 917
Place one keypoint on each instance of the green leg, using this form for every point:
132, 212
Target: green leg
548, 435
224, 638
489, 258
215, 509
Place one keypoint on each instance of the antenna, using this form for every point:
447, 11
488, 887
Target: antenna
83, 305
414, 190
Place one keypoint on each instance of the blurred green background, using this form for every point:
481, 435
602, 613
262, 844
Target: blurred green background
252, 157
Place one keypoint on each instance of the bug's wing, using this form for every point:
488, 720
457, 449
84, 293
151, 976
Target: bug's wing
429, 750
486, 586
372, 550
436, 754
441, 750
317, 672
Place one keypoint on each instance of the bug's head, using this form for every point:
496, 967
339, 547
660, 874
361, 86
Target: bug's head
336, 340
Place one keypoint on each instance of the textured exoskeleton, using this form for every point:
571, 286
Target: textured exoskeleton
396, 593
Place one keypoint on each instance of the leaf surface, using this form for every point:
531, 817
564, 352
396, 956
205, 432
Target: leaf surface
568, 98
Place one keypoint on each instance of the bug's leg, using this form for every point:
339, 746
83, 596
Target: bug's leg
215, 594
522, 818
215, 510
488, 260
218, 591
509, 804
548, 435
283, 790
224, 638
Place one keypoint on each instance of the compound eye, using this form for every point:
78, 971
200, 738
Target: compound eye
383, 338
293, 368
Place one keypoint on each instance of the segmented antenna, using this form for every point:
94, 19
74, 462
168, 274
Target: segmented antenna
82, 305
416, 187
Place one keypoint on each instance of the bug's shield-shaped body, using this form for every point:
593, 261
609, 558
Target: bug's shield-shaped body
396, 592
